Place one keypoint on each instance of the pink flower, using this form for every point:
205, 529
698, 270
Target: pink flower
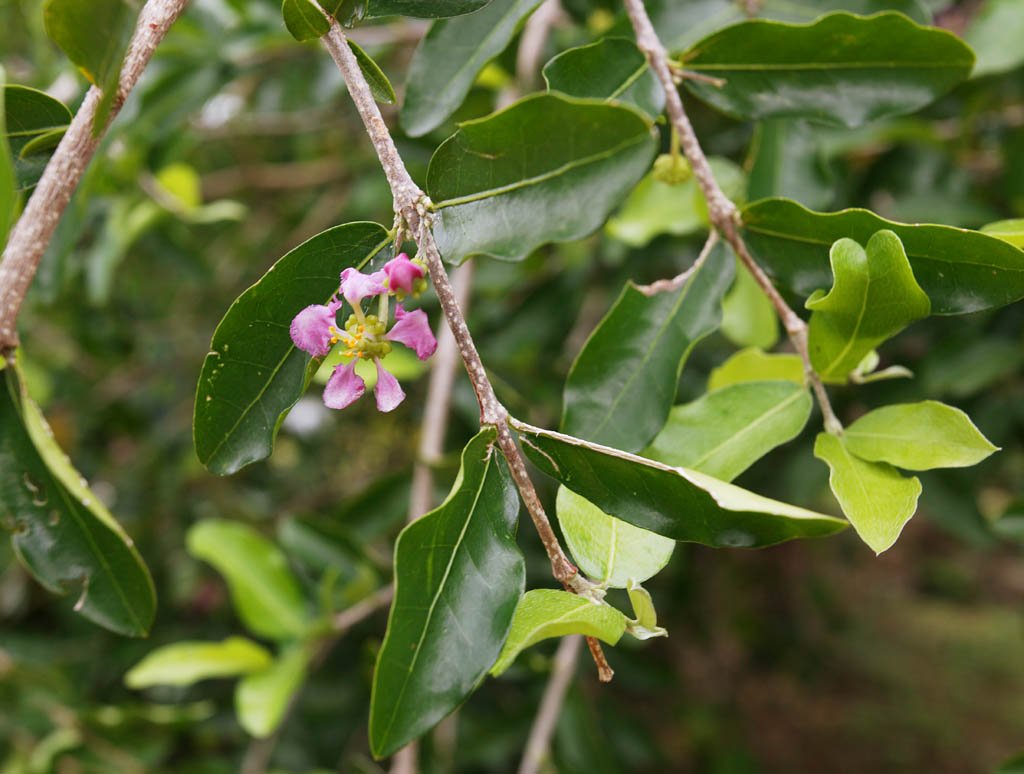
355, 286
387, 390
345, 386
413, 330
313, 328
403, 274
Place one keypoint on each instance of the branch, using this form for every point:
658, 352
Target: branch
34, 229
551, 704
722, 212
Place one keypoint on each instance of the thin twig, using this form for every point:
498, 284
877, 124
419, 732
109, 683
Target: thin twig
722, 212
34, 229
676, 282
562, 671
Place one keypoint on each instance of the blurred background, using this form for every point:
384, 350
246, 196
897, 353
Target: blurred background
237, 145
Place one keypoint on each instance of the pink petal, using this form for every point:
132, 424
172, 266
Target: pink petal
388, 390
356, 286
310, 328
344, 387
413, 330
403, 273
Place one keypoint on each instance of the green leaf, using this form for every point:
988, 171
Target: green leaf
1012, 765
876, 499
841, 69
725, 432
555, 163
675, 502
304, 19
35, 122
348, 12
753, 365
458, 577
185, 663
1011, 231
918, 436
61, 531
610, 69
873, 298
544, 613
786, 159
262, 698
644, 613
94, 34
994, 31
450, 57
263, 589
607, 549
380, 86
8, 184
253, 373
961, 271
748, 317
655, 207
424, 9
623, 382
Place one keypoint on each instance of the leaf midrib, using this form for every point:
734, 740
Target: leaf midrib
826, 66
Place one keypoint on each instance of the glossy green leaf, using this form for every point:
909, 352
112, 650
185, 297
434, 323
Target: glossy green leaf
8, 184
610, 69
841, 69
786, 159
304, 19
675, 502
726, 431
960, 270
555, 163
994, 31
623, 382
1011, 231
94, 34
35, 122
655, 207
450, 57
607, 549
187, 662
753, 365
918, 436
262, 698
424, 9
253, 373
263, 589
748, 317
380, 86
61, 532
458, 577
874, 297
544, 613
876, 499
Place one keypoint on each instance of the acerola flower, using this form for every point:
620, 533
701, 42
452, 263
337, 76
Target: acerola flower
315, 330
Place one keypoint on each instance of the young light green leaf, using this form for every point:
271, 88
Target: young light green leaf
261, 698
263, 589
304, 19
675, 502
655, 207
1011, 231
610, 69
873, 298
544, 613
458, 577
918, 436
450, 57
253, 373
380, 86
753, 365
607, 549
961, 271
876, 499
557, 163
424, 9
748, 318
8, 184
724, 432
841, 69
623, 382
35, 122
94, 34
644, 626
188, 662
994, 31
61, 532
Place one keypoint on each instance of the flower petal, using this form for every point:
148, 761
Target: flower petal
356, 286
344, 387
413, 330
310, 328
402, 273
387, 390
